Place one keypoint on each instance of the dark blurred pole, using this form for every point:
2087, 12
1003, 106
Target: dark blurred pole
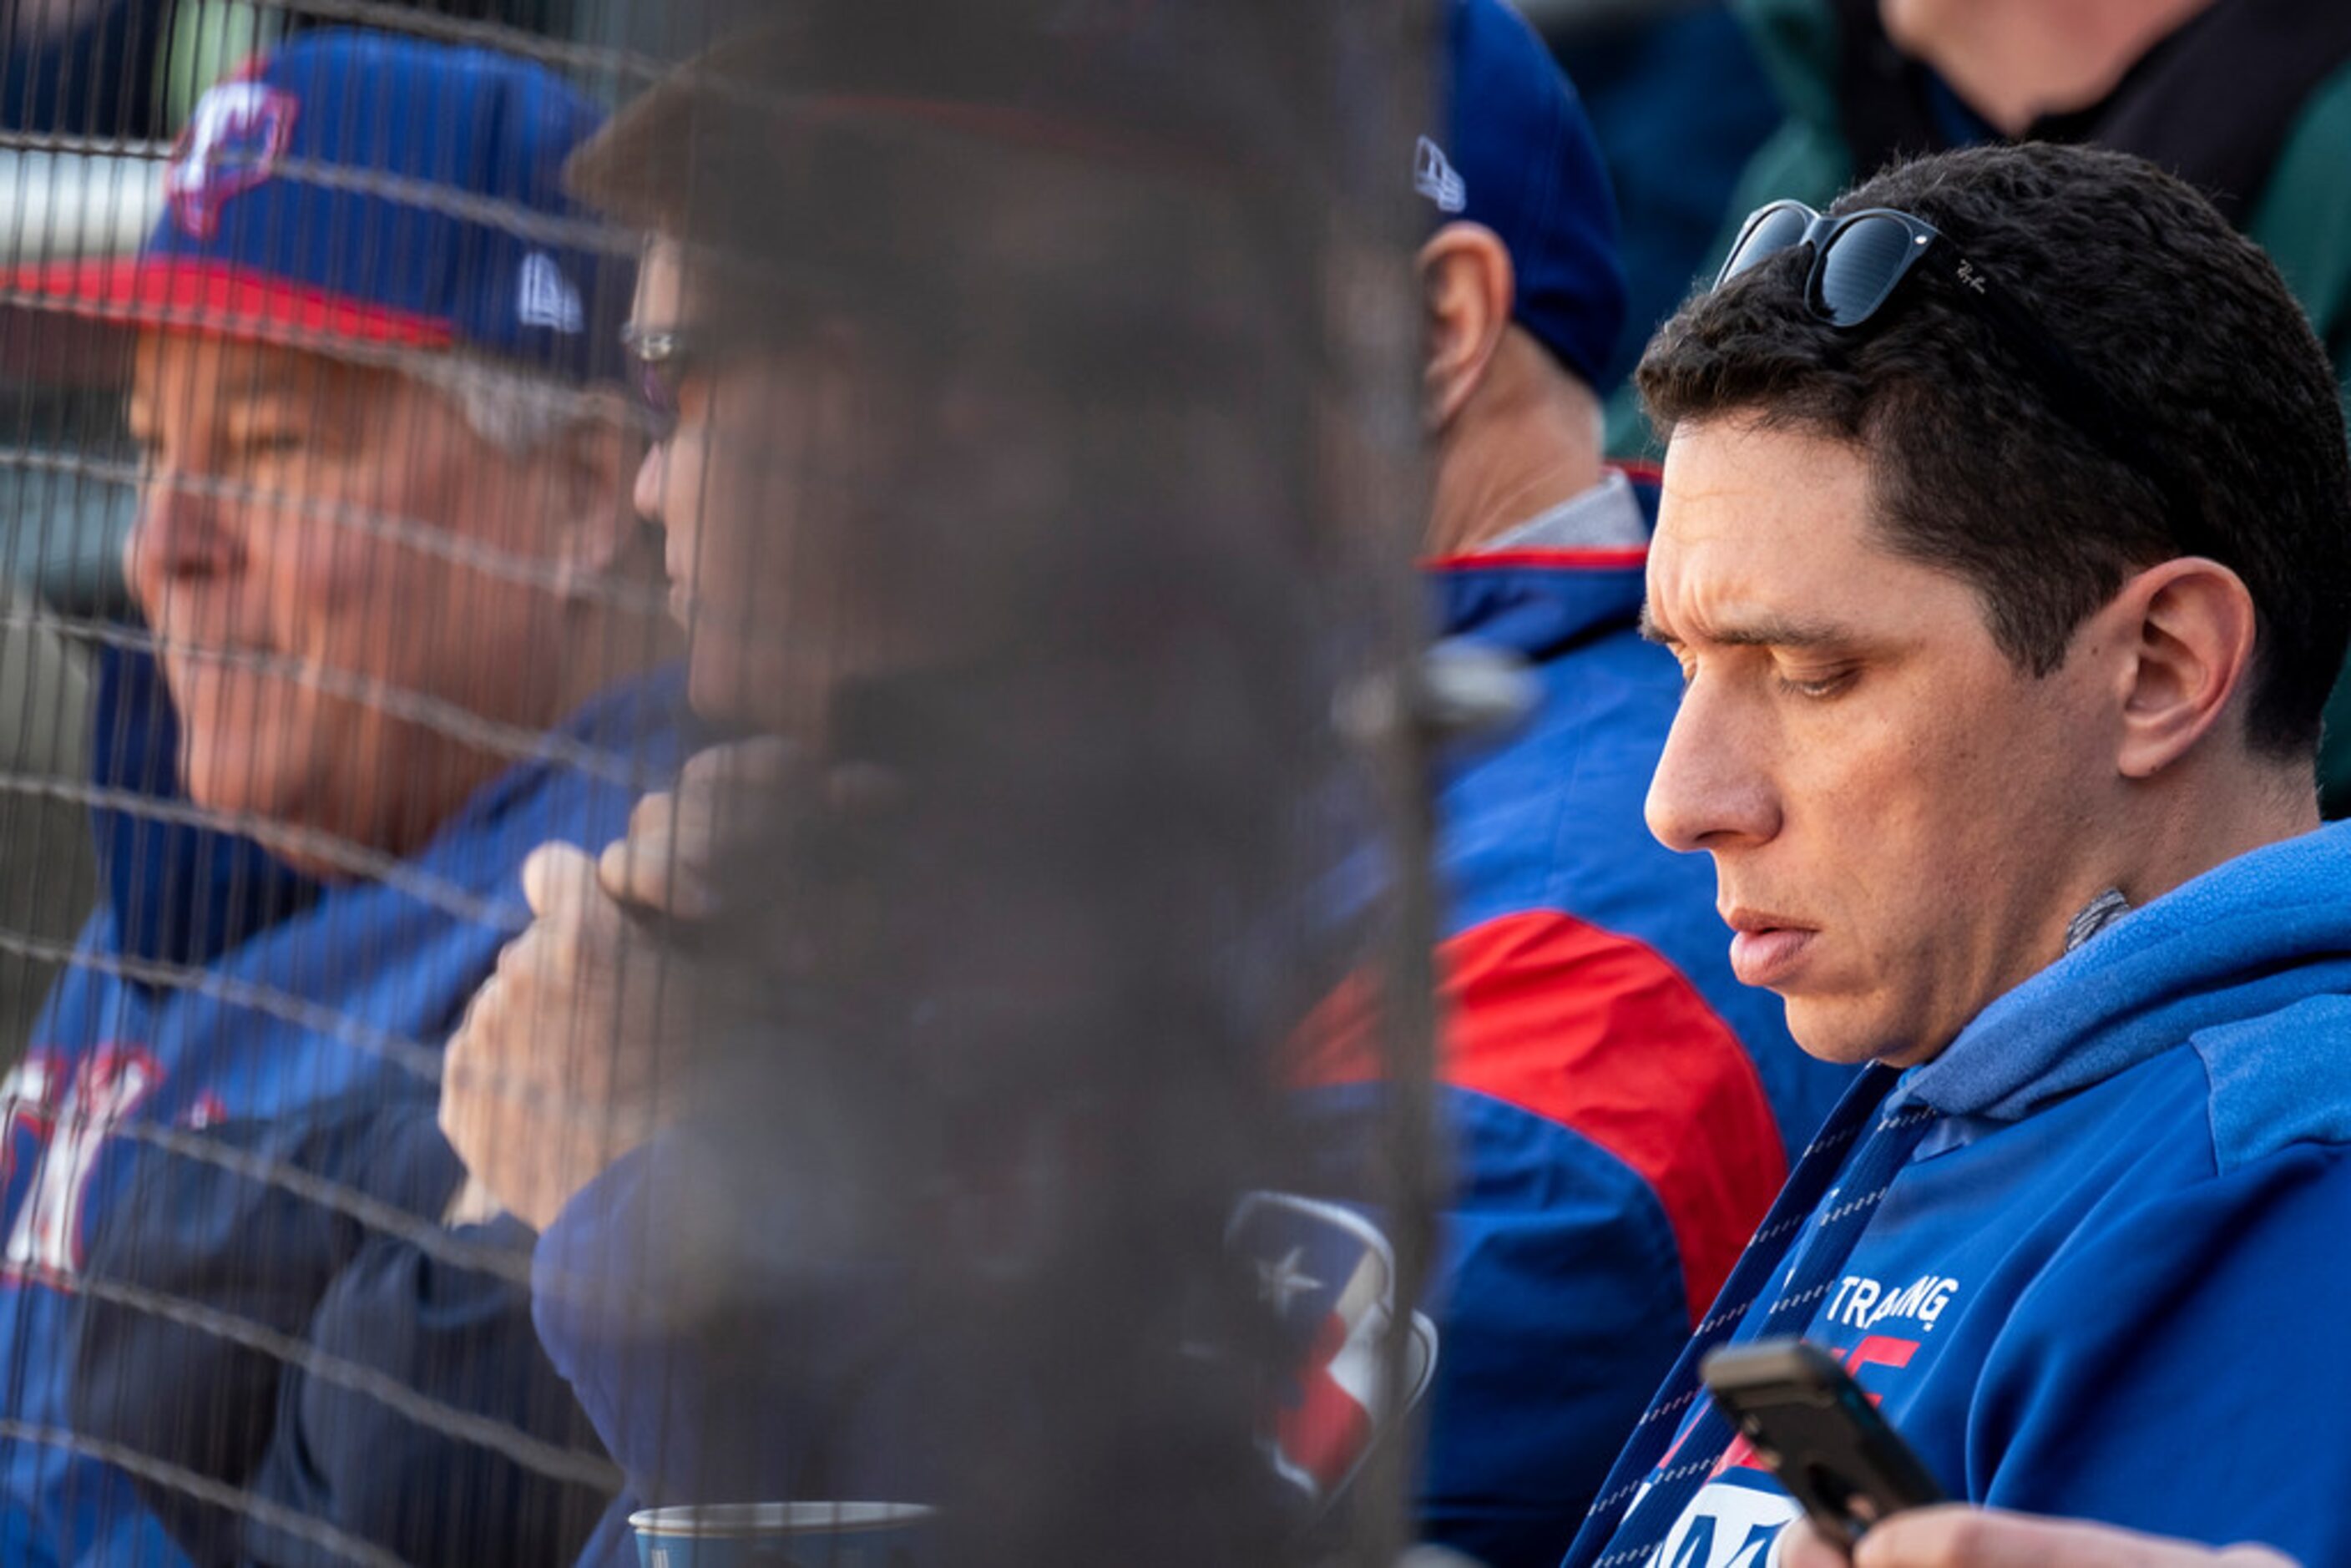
1134, 281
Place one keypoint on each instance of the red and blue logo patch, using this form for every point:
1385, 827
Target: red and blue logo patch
233, 142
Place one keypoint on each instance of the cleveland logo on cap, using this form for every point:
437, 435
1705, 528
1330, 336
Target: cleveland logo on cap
232, 143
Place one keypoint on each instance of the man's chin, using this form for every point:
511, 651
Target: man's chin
731, 683
229, 782
1837, 1029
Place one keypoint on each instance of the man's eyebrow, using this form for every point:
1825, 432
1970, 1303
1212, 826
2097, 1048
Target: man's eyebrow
1765, 631
272, 387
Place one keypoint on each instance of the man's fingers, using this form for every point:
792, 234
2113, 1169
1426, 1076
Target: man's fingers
743, 764
659, 871
1801, 1546
665, 861
652, 814
1960, 1537
557, 875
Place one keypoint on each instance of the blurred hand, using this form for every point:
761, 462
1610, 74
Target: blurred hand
570, 1054
1963, 1537
666, 861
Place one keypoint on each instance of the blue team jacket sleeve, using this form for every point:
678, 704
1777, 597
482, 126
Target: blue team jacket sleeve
460, 1337
783, 1373
2184, 1370
202, 1280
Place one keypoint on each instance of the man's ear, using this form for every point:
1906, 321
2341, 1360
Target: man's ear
593, 467
1468, 289
2190, 629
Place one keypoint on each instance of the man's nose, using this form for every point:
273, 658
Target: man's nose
1713, 789
177, 531
652, 475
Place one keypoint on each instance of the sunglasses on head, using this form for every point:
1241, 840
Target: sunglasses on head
1859, 260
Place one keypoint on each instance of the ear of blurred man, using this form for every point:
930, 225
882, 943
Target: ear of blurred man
1468, 288
1512, 431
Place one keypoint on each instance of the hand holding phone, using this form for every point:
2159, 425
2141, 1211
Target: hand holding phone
1818, 1433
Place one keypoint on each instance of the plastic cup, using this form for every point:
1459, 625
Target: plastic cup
780, 1535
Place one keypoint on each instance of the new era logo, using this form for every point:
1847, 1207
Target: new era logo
232, 143
547, 298
1433, 176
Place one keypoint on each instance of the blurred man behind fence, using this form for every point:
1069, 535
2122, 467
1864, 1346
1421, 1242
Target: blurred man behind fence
1620, 1110
406, 630
988, 431
2006, 546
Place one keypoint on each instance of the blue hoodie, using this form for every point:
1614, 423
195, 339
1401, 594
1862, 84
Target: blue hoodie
219, 1003
2102, 1282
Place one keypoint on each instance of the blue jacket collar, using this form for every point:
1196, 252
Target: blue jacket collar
1538, 603
2244, 940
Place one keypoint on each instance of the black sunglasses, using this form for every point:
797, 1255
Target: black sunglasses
1859, 259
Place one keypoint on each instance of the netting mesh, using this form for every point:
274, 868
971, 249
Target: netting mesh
699, 705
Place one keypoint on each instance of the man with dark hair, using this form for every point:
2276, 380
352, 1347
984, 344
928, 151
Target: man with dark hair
2248, 101
2003, 545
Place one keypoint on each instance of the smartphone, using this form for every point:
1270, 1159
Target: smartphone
1816, 1431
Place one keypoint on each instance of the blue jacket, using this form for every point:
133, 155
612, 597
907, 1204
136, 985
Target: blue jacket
228, 1030
2101, 1283
841, 1411
1621, 1109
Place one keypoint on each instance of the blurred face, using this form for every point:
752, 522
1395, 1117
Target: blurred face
1918, 24
1897, 814
752, 491
2014, 60
292, 553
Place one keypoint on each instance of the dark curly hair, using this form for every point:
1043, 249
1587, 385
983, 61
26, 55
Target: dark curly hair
1976, 467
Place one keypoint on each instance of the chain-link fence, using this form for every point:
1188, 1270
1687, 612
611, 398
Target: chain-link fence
695, 700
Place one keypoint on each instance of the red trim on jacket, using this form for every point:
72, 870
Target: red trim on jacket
1597, 1033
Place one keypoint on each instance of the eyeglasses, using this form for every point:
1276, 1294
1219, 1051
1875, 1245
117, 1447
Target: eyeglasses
1859, 260
664, 357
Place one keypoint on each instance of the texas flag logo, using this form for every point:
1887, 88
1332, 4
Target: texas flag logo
232, 143
1328, 1277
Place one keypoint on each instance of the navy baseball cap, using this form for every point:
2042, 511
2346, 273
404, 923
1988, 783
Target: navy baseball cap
1520, 157
362, 188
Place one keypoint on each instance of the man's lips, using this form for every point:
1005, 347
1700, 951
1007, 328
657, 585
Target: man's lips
1765, 950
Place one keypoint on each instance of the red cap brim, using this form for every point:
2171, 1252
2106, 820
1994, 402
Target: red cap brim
186, 296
